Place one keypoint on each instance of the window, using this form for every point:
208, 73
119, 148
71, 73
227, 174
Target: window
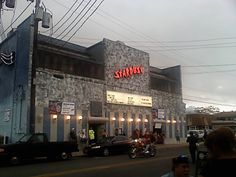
96, 109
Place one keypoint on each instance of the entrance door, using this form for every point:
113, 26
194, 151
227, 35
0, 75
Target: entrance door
98, 129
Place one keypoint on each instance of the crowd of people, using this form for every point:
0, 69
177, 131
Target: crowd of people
220, 160
154, 137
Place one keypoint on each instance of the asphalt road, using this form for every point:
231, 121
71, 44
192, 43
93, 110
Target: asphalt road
113, 166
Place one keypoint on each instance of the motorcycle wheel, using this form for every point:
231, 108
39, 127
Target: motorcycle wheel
153, 152
132, 153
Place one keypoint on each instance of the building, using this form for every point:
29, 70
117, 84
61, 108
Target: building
57, 86
225, 119
199, 121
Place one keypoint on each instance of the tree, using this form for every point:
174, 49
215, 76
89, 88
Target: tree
207, 110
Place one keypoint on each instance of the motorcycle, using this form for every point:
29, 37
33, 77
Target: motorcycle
139, 149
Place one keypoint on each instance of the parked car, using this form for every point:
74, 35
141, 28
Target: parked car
36, 145
109, 145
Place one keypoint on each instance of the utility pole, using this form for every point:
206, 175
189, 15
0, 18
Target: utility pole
33, 70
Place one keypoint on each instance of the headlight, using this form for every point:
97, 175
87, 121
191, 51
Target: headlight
2, 150
95, 147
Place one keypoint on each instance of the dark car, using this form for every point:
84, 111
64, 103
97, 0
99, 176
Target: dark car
34, 146
109, 145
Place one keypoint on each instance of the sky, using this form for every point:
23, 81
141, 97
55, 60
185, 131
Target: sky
198, 35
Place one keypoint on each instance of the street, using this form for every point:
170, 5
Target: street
112, 166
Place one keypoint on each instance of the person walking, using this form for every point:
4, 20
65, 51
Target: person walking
91, 136
177, 136
82, 137
73, 136
180, 167
205, 134
221, 146
192, 141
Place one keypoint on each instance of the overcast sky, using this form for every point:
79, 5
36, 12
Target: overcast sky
199, 35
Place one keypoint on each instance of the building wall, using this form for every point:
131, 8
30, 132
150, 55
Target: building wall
117, 57
174, 112
82, 91
78, 90
14, 90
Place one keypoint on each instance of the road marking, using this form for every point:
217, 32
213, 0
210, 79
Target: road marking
67, 172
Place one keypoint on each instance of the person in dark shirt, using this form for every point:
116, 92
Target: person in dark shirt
73, 136
192, 141
221, 154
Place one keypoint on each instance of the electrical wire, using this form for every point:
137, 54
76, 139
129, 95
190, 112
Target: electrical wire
211, 72
74, 21
14, 12
61, 18
209, 102
69, 16
220, 65
16, 19
85, 21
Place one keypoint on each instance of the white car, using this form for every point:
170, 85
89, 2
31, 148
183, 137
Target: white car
198, 133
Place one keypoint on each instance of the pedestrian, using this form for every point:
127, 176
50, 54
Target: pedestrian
136, 134
180, 167
104, 133
205, 134
73, 136
221, 160
91, 136
82, 137
177, 136
116, 132
192, 141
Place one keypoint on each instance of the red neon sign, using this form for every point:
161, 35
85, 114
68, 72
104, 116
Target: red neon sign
128, 72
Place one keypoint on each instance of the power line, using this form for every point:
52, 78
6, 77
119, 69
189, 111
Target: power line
208, 102
16, 19
211, 72
200, 40
85, 20
220, 65
70, 16
74, 21
191, 48
63, 17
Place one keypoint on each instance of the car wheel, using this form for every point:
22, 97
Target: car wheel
106, 152
65, 156
14, 160
153, 152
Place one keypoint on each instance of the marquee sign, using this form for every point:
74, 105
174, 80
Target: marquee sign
128, 72
128, 99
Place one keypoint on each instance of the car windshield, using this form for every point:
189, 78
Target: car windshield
105, 139
25, 138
